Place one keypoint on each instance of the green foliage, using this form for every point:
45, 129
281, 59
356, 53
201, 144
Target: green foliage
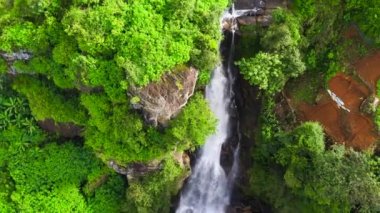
377, 118
193, 125
50, 178
6, 188
3, 66
304, 174
368, 23
305, 88
18, 129
265, 71
47, 179
118, 133
134, 42
322, 26
153, 193
45, 101
17, 36
305, 8
280, 59
156, 34
108, 197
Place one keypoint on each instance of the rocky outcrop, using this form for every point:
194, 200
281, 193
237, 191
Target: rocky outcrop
252, 12
369, 105
20, 55
163, 100
136, 170
10, 58
67, 130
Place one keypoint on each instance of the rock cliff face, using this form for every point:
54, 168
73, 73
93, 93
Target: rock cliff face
253, 12
135, 170
67, 130
163, 100
10, 58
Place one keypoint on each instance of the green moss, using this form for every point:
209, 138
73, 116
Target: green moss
46, 102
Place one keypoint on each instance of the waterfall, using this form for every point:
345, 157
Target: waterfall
208, 189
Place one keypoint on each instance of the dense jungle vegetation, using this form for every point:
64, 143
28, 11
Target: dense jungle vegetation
298, 170
87, 54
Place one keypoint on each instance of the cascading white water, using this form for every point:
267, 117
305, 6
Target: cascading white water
209, 188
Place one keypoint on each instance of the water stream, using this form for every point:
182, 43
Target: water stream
209, 187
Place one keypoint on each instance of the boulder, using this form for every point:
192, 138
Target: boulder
67, 130
21, 55
136, 170
369, 105
163, 100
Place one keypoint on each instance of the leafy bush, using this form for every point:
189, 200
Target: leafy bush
355, 11
109, 196
118, 133
304, 172
153, 193
265, 71
193, 125
280, 58
50, 179
45, 101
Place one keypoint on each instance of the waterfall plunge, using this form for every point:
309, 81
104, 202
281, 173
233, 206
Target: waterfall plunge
209, 188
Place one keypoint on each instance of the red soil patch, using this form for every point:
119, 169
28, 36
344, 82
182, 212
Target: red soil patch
351, 92
327, 115
369, 69
360, 130
352, 128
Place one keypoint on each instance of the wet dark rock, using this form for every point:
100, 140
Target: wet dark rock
249, 4
163, 100
135, 170
256, 12
67, 130
20, 55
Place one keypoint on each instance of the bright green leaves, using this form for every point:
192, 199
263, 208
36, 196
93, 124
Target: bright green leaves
194, 124
45, 102
18, 36
153, 193
49, 178
265, 71
145, 39
310, 175
161, 45
98, 30
118, 133
280, 59
302, 144
108, 197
